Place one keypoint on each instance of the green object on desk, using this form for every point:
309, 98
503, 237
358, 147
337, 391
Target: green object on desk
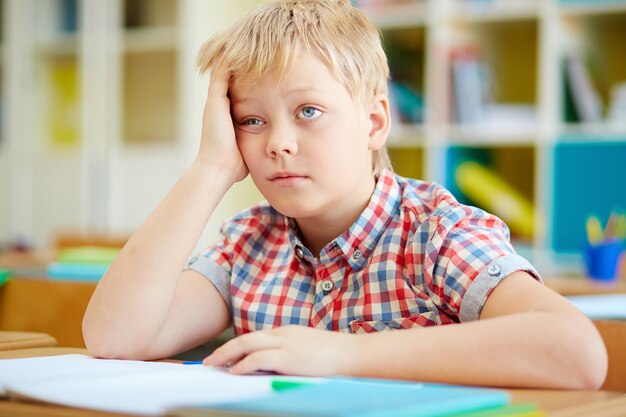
4, 276
279, 385
88, 254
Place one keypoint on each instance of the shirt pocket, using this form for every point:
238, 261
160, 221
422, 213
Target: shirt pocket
419, 320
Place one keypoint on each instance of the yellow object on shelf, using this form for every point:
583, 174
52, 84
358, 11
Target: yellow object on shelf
63, 106
493, 194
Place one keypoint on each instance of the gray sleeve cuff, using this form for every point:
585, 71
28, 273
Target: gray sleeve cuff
487, 279
217, 275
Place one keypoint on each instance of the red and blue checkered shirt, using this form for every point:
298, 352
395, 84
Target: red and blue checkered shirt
414, 257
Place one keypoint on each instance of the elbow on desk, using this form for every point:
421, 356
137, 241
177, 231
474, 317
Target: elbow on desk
102, 344
597, 372
592, 374
591, 359
110, 349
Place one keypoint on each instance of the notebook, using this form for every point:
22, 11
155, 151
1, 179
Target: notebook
134, 387
352, 397
153, 388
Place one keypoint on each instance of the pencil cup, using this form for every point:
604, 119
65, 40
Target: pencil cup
602, 260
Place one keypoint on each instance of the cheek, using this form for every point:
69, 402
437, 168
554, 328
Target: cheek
251, 149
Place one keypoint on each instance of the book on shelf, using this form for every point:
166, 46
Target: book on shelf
617, 107
407, 105
470, 85
62, 106
68, 16
586, 101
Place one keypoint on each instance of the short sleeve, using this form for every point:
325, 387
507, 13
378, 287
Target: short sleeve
467, 254
215, 263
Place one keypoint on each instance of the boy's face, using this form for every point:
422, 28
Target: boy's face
305, 141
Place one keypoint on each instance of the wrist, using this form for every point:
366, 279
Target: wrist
214, 173
211, 176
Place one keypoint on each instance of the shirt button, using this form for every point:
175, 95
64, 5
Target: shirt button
356, 255
494, 270
327, 285
299, 252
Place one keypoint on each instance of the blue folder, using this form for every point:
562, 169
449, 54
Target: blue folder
352, 397
76, 271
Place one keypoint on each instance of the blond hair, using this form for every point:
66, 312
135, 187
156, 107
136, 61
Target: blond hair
271, 36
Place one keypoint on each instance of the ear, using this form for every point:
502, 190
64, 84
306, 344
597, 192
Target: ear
380, 122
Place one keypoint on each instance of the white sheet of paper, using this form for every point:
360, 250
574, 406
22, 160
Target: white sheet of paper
147, 388
14, 371
609, 306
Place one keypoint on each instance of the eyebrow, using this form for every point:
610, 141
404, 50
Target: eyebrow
235, 101
304, 89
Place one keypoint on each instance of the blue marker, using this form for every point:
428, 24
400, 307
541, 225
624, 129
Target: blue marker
192, 363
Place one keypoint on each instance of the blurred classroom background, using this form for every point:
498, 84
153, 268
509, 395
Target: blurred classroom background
517, 106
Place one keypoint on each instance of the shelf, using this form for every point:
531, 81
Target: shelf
587, 7
151, 39
58, 45
598, 131
499, 135
406, 136
494, 11
150, 98
398, 15
150, 13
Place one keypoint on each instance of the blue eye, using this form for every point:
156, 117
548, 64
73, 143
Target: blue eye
310, 113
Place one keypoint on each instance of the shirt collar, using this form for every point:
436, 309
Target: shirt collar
358, 242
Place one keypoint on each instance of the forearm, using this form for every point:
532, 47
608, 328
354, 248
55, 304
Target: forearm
534, 349
140, 284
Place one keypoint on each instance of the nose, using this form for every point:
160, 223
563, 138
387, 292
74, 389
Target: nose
281, 142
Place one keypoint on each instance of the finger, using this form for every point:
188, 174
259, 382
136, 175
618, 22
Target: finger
235, 349
266, 360
218, 84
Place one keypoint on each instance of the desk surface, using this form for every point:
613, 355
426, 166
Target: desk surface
25, 340
582, 286
556, 403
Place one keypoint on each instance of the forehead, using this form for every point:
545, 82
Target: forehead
306, 74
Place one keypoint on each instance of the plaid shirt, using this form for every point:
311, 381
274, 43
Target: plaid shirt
414, 257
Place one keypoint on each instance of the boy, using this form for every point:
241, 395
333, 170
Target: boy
343, 249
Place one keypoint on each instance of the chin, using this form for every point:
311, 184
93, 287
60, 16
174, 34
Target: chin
294, 209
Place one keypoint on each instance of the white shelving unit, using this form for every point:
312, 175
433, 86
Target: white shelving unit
139, 103
523, 44
136, 119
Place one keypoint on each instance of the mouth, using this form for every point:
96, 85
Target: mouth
287, 178
285, 175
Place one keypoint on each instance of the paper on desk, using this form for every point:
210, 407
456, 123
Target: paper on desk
136, 387
606, 306
26, 370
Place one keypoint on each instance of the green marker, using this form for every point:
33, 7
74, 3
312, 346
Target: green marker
280, 385
4, 276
